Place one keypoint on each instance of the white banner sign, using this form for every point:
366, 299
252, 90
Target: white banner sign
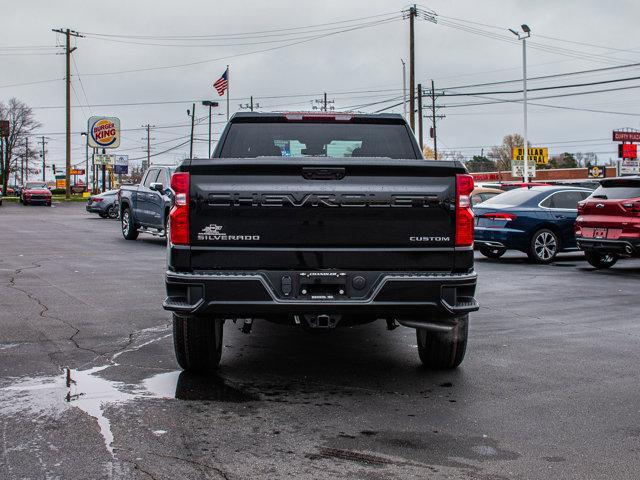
104, 159
629, 166
517, 168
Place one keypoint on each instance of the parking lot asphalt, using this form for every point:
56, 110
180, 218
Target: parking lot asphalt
89, 386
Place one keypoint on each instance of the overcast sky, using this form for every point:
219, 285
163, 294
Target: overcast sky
356, 61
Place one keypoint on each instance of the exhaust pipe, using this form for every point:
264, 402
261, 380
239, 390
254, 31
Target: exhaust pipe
628, 249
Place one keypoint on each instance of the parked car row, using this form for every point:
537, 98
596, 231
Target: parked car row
543, 221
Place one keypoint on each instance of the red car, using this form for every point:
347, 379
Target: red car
35, 192
608, 223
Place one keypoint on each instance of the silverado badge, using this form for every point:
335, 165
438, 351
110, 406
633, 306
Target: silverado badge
214, 232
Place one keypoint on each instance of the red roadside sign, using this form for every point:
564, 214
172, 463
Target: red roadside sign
619, 136
4, 128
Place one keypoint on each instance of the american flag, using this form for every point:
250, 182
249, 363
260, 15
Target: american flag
222, 83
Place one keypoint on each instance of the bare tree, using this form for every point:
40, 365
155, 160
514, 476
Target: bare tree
22, 124
590, 158
502, 154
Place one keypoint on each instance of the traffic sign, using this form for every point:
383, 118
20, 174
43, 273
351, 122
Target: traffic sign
539, 155
76, 171
5, 130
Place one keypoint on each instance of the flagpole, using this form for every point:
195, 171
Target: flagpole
228, 87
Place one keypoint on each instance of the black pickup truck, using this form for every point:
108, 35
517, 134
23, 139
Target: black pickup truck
145, 207
319, 221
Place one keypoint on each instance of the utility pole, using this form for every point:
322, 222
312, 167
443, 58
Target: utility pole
44, 163
413, 11
68, 51
420, 136
323, 104
404, 89
250, 105
148, 139
434, 117
193, 121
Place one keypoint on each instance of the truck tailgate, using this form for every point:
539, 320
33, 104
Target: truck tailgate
346, 213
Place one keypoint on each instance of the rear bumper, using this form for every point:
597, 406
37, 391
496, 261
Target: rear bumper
96, 208
404, 296
619, 247
507, 238
43, 200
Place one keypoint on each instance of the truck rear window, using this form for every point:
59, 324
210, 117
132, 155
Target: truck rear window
617, 189
339, 140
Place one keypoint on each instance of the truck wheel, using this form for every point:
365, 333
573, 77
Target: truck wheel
492, 252
197, 342
443, 350
600, 260
544, 246
129, 230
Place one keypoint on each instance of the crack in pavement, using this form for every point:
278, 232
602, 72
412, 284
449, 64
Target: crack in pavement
44, 309
217, 470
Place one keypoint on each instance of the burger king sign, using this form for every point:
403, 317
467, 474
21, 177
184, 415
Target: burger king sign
104, 132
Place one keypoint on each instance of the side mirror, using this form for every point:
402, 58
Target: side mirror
157, 187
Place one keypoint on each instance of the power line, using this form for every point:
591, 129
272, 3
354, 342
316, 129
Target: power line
556, 87
289, 29
545, 77
244, 54
296, 36
31, 83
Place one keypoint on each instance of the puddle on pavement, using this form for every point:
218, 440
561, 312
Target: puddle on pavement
190, 386
88, 391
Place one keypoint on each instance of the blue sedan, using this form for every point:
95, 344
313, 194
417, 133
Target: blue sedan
536, 220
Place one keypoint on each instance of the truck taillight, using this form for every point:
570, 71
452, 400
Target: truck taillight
581, 206
179, 215
464, 214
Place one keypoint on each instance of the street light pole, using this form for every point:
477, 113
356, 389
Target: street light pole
523, 37
210, 104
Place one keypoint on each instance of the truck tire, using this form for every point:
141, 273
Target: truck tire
490, 252
601, 260
197, 342
129, 230
443, 350
544, 246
